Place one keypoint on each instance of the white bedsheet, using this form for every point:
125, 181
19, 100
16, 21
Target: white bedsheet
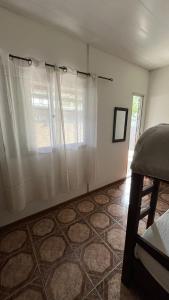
157, 235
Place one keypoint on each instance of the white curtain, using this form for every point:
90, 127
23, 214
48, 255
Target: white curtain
48, 122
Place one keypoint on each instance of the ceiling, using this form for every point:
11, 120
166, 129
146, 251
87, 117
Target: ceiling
135, 30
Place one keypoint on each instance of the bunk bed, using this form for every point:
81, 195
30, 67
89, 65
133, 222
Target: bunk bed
146, 257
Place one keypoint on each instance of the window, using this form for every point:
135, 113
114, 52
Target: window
73, 101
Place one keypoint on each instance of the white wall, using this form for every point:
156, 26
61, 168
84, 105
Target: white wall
158, 98
24, 37
128, 79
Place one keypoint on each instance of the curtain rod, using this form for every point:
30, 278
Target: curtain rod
29, 60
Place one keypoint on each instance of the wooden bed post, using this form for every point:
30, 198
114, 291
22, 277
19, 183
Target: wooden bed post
153, 202
132, 226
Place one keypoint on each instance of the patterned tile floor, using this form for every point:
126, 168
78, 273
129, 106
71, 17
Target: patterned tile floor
74, 251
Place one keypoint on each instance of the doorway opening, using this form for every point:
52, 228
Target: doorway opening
136, 116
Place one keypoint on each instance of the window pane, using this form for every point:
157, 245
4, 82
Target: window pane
41, 115
73, 102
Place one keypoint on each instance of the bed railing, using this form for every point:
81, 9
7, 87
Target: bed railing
134, 215
159, 256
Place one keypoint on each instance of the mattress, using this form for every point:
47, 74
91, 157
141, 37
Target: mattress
158, 236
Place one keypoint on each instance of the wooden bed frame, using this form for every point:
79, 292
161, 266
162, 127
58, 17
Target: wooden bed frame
134, 273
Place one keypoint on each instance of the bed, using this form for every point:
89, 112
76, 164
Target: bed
158, 236
146, 258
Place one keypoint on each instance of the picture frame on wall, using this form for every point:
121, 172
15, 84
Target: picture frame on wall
120, 124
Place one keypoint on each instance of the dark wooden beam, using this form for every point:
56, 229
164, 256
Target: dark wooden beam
144, 213
132, 227
147, 191
153, 202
